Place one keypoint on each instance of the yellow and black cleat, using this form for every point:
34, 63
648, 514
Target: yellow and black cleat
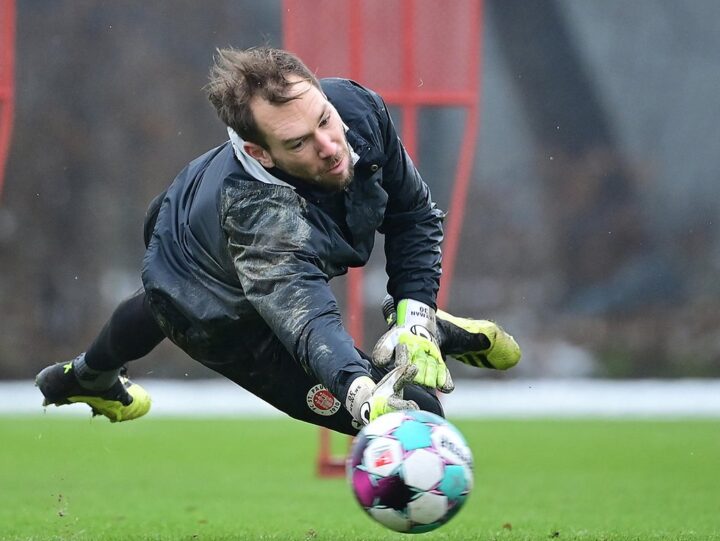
477, 342
123, 401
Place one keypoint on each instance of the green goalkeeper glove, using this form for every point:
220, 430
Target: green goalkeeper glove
415, 330
367, 401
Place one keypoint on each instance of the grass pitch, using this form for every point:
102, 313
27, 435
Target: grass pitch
175, 479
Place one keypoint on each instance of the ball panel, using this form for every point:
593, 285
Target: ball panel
454, 508
382, 456
424, 528
426, 417
423, 469
413, 435
363, 488
469, 479
451, 445
384, 424
390, 518
392, 492
454, 482
427, 508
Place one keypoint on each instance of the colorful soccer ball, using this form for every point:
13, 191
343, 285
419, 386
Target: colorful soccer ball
410, 470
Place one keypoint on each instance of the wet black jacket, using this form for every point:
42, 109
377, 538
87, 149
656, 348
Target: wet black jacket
234, 264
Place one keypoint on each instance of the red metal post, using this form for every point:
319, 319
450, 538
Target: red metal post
356, 276
409, 83
7, 80
458, 201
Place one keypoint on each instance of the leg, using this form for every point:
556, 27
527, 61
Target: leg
278, 379
130, 333
477, 342
94, 377
275, 377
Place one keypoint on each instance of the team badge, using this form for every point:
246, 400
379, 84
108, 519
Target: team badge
321, 401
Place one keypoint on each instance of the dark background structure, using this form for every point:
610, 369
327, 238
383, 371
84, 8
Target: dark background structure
591, 229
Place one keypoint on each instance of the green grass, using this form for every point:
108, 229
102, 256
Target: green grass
172, 479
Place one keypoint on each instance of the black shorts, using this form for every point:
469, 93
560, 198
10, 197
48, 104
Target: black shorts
281, 382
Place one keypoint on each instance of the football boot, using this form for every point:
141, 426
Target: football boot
123, 401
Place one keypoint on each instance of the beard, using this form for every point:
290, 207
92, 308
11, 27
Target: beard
324, 179
332, 182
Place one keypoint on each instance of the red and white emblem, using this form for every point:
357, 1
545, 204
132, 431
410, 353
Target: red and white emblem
321, 401
383, 457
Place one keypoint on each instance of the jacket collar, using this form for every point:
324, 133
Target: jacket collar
250, 164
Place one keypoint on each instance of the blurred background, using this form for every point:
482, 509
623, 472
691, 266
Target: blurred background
590, 226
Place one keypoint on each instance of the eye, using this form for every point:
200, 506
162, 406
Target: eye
325, 121
297, 145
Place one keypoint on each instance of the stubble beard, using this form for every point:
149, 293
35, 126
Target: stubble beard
341, 184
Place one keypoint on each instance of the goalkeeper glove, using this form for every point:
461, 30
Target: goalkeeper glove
416, 330
367, 401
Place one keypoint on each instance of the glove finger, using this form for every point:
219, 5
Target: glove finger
402, 355
382, 359
397, 403
382, 354
449, 385
406, 374
433, 376
395, 380
421, 374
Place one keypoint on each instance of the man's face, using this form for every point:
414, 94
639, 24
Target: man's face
305, 138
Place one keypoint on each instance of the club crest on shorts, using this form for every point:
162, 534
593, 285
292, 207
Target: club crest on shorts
321, 401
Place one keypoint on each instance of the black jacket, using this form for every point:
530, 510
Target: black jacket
235, 264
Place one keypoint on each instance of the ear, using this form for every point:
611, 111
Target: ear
259, 153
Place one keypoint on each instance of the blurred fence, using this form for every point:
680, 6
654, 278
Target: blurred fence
591, 230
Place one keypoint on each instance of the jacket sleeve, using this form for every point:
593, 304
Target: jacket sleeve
270, 243
412, 224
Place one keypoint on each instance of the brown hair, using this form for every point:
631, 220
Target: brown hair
237, 76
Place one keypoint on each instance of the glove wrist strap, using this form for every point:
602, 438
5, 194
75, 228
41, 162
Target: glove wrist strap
359, 392
411, 312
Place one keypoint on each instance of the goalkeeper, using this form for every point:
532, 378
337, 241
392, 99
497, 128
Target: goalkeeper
241, 246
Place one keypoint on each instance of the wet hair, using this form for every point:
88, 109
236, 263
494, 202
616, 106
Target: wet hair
238, 76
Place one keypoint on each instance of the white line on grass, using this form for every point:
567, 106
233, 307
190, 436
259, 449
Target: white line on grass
493, 399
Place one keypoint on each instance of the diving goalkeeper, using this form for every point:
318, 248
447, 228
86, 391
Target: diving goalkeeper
241, 246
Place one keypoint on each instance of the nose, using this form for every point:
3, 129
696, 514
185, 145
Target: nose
326, 146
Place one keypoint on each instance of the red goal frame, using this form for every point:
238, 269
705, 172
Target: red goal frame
7, 80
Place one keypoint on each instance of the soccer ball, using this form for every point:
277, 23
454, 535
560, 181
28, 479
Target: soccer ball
410, 470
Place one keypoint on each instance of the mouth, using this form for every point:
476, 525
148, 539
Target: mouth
338, 166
